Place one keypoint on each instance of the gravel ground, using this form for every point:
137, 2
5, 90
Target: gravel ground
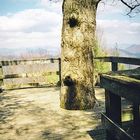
34, 114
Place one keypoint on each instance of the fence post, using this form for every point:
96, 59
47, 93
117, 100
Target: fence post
113, 110
113, 105
1, 77
59, 59
114, 66
136, 120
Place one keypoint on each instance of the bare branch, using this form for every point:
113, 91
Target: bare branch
125, 3
132, 5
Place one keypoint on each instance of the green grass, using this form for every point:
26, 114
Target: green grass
52, 79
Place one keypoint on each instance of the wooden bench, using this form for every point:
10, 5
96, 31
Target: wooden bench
120, 84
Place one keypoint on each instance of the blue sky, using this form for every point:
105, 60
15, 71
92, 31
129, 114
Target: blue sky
37, 23
13, 6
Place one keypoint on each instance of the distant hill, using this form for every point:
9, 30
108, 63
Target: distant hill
131, 51
134, 48
25, 53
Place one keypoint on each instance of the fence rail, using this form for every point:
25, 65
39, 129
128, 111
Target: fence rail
124, 60
27, 61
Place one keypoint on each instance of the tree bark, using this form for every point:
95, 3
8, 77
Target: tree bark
78, 39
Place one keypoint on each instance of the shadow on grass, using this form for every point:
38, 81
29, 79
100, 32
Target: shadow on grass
73, 128
6, 107
8, 103
98, 133
49, 122
51, 136
56, 87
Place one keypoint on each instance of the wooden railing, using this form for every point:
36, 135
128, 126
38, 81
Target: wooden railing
116, 60
28, 72
118, 85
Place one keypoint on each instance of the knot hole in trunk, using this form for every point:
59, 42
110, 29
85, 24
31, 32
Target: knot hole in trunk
68, 81
73, 22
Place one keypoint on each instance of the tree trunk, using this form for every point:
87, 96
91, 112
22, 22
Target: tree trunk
78, 39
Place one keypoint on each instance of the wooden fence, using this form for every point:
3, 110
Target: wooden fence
29, 72
120, 84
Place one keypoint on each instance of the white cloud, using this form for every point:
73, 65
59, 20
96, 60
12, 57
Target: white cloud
29, 19
108, 7
53, 6
31, 28
122, 32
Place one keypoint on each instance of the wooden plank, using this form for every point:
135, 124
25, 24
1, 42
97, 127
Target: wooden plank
25, 80
116, 131
125, 60
129, 74
29, 61
129, 81
128, 91
9, 76
12, 76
